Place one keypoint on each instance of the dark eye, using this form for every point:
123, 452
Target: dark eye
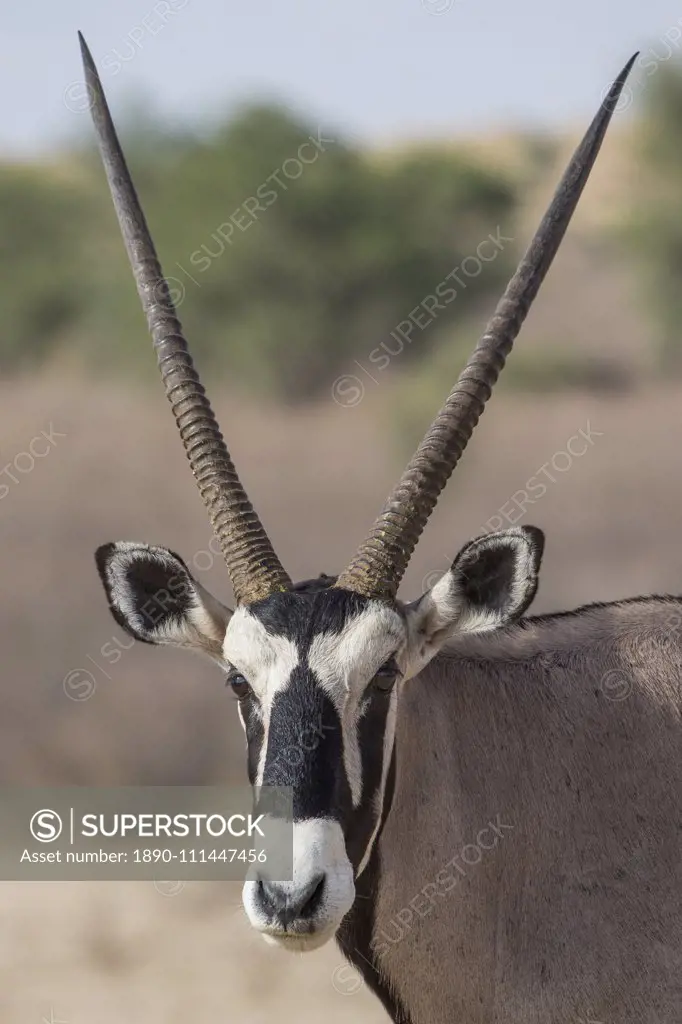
385, 678
239, 685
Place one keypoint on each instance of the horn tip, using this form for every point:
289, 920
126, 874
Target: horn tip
89, 65
85, 49
613, 95
628, 67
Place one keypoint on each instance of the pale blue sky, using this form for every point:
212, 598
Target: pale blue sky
380, 70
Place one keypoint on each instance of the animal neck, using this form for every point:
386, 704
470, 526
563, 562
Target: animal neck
418, 812
505, 812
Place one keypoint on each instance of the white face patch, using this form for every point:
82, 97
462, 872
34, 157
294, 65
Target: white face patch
344, 663
265, 660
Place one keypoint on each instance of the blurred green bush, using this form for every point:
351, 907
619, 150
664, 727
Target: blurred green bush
42, 262
653, 230
290, 253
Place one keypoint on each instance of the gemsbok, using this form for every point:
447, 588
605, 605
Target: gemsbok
489, 838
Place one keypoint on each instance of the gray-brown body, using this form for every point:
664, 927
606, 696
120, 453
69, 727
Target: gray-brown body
568, 729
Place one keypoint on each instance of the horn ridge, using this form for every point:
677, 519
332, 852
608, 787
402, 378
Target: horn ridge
254, 568
381, 561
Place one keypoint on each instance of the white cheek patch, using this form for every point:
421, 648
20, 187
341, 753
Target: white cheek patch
344, 663
265, 660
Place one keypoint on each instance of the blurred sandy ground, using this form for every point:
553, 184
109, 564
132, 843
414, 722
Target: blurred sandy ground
109, 953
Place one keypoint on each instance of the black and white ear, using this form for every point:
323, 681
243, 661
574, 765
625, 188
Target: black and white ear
491, 583
495, 578
155, 598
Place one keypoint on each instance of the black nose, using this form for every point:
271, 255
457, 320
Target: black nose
285, 904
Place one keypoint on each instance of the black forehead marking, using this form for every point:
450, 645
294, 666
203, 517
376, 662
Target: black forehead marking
305, 757
301, 614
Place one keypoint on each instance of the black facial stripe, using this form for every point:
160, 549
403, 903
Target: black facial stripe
371, 733
255, 735
304, 745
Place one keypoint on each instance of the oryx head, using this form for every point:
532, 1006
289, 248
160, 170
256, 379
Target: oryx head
318, 667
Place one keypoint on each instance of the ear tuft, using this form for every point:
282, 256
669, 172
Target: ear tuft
154, 597
536, 537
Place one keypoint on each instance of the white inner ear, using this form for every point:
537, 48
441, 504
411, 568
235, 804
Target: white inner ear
515, 590
459, 612
203, 626
440, 613
446, 608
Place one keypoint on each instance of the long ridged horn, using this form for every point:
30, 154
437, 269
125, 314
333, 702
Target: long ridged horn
379, 565
253, 566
